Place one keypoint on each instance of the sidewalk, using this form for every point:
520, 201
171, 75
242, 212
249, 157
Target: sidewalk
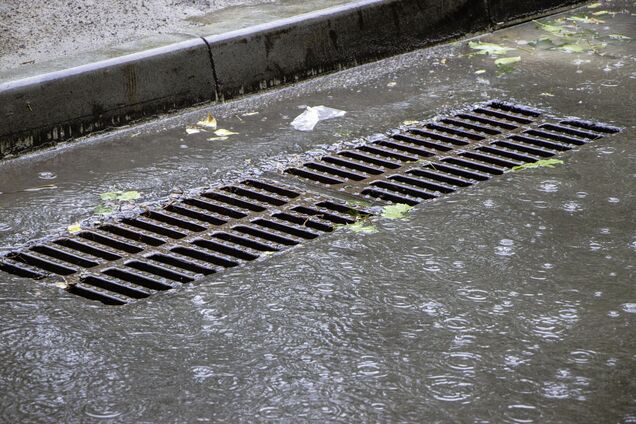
214, 56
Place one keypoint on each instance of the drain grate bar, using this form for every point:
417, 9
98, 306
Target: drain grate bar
161, 248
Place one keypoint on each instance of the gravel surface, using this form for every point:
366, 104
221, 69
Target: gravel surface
39, 30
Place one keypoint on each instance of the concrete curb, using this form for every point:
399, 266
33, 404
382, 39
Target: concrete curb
47, 109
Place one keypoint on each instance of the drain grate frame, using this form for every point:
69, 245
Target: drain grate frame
133, 257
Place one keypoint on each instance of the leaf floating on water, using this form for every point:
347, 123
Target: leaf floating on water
601, 13
489, 48
396, 211
408, 122
619, 37
224, 133
62, 285
479, 72
546, 163
360, 227
190, 131
585, 20
554, 29
103, 210
208, 122
594, 5
392, 84
40, 188
546, 94
74, 228
109, 196
217, 138
506, 61
128, 196
574, 48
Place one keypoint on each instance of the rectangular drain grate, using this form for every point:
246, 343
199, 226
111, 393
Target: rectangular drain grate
132, 258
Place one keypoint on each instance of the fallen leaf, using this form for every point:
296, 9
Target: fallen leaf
410, 122
594, 5
619, 37
224, 133
62, 284
192, 131
505, 61
585, 20
103, 210
396, 211
554, 29
360, 227
74, 228
217, 138
547, 94
209, 122
128, 196
545, 163
392, 84
574, 48
479, 72
40, 188
109, 196
489, 48
250, 113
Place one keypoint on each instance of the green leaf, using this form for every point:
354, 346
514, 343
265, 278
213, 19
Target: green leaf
128, 196
109, 196
103, 210
489, 48
74, 228
546, 163
554, 29
585, 20
360, 227
574, 48
396, 211
506, 61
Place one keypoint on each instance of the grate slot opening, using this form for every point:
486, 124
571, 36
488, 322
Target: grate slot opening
492, 122
181, 263
571, 131
153, 228
90, 293
64, 256
455, 131
392, 197
437, 145
212, 207
353, 165
247, 242
370, 159
42, 263
336, 219
524, 148
285, 228
501, 115
266, 235
440, 176
337, 207
557, 137
541, 143
305, 222
107, 241
195, 214
508, 154
439, 137
592, 126
474, 165
388, 153
135, 278
335, 171
470, 126
20, 271
177, 222
255, 195
314, 176
282, 191
160, 271
459, 171
132, 235
509, 107
493, 160
404, 189
225, 249
230, 200
206, 257
406, 148
84, 248
123, 289
431, 185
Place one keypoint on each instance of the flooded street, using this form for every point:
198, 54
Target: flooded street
510, 301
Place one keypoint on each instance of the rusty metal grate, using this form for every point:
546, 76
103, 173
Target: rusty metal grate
131, 258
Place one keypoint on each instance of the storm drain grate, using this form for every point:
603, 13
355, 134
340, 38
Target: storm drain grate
131, 258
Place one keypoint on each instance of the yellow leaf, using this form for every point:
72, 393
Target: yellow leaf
224, 133
192, 131
209, 122
217, 138
74, 228
479, 72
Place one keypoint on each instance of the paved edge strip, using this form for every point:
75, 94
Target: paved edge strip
43, 110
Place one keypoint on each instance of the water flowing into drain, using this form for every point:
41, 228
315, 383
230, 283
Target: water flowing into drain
131, 258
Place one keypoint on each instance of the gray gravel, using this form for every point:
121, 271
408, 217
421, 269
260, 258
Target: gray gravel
40, 30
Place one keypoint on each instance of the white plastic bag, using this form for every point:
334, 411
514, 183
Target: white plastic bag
307, 120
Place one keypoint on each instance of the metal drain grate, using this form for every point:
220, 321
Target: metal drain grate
162, 248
